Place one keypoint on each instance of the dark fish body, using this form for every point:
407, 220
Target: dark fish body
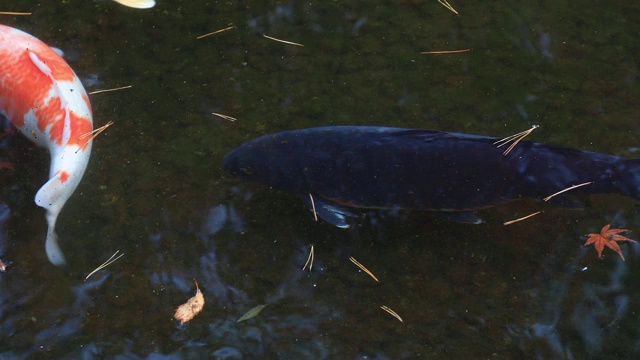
395, 168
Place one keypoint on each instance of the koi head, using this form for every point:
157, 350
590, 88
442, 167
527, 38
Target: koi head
270, 160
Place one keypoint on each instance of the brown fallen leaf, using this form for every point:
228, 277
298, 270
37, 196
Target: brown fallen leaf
191, 308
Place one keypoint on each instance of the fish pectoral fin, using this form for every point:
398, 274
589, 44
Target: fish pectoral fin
51, 193
329, 212
467, 217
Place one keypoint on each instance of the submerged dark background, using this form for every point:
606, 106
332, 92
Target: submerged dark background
155, 189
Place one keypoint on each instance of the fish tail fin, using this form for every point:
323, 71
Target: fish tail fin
54, 253
52, 196
629, 178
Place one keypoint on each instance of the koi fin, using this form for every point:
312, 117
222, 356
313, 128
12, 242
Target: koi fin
51, 196
58, 51
331, 213
54, 253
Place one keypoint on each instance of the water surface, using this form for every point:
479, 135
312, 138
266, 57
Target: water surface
155, 189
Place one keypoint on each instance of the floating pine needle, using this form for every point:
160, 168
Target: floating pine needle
353, 260
105, 264
226, 117
445, 51
309, 260
313, 206
252, 313
109, 90
282, 41
522, 218
446, 4
15, 13
215, 32
191, 308
515, 138
567, 189
393, 313
3, 266
92, 135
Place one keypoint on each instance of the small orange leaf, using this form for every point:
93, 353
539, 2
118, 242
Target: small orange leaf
191, 308
608, 237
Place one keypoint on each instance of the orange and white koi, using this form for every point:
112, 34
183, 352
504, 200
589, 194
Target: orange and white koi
46, 101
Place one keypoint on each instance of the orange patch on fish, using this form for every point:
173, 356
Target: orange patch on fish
64, 176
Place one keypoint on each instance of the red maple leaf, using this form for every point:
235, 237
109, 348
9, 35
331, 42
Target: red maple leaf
609, 238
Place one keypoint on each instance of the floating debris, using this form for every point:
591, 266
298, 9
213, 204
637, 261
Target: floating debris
309, 260
252, 313
448, 6
226, 117
105, 264
353, 260
92, 134
313, 206
608, 237
137, 4
515, 138
567, 189
16, 13
393, 313
282, 41
437, 52
215, 32
191, 308
522, 218
109, 90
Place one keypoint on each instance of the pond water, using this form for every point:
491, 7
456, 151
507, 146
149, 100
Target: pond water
155, 189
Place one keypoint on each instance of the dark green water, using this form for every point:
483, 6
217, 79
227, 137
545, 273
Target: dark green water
155, 189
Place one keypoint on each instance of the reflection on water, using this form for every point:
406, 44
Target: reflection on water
155, 189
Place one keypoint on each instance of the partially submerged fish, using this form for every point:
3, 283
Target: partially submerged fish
138, 4
395, 168
45, 100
